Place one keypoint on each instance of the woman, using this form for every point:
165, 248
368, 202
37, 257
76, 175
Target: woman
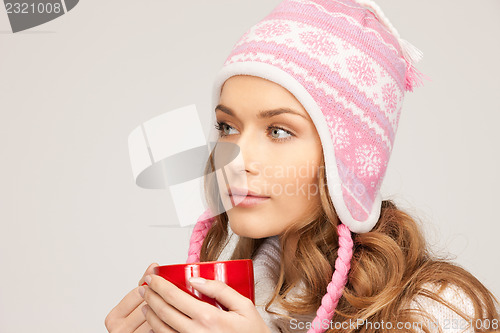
316, 85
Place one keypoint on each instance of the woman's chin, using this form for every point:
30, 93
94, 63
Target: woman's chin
243, 230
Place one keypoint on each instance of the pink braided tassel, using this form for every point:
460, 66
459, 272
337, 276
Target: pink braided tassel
336, 286
200, 231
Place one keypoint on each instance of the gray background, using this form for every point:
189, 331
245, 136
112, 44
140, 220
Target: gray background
77, 233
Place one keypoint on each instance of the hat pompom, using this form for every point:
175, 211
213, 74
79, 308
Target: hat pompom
412, 55
414, 78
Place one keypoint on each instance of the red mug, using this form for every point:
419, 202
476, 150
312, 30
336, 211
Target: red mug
237, 274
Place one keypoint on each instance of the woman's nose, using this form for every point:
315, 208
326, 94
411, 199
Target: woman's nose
249, 156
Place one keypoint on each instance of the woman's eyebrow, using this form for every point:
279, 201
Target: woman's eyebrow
262, 114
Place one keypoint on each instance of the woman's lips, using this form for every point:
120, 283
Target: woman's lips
246, 201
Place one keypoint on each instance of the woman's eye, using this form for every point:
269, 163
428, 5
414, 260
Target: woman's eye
276, 131
228, 128
223, 127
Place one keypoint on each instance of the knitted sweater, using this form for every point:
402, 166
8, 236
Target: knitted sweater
266, 272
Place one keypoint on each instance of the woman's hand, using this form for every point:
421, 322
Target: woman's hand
170, 309
127, 316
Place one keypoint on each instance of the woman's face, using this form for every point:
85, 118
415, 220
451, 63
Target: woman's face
280, 156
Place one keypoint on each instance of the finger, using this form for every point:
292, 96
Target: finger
225, 295
167, 313
157, 324
149, 271
177, 298
127, 304
135, 319
145, 327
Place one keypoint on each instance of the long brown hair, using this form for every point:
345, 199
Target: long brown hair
390, 266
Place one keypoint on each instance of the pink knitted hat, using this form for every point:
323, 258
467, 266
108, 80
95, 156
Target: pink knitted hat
346, 64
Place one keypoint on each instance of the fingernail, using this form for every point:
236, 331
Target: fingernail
197, 280
144, 310
141, 291
147, 279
